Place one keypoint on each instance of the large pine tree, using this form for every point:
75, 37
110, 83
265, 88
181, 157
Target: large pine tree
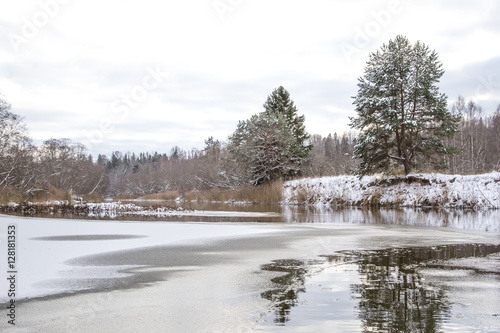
401, 115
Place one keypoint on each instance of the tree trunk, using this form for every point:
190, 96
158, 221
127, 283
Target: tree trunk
407, 167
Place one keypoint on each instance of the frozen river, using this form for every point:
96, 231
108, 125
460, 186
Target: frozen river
257, 268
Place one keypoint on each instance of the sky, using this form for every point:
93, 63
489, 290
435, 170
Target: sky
136, 76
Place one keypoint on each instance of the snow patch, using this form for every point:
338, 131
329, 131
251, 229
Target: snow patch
414, 190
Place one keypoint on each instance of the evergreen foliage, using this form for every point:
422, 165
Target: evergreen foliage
272, 144
401, 115
265, 144
279, 102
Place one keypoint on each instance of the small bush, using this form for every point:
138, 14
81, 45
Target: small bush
373, 199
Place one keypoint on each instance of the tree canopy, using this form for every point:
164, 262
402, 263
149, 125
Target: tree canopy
274, 143
279, 102
401, 115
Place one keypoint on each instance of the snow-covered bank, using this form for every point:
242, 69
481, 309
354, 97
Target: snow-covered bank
115, 209
416, 190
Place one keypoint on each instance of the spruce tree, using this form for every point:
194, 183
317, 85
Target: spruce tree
272, 144
401, 115
279, 102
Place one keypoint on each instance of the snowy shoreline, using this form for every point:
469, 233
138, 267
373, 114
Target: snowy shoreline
415, 190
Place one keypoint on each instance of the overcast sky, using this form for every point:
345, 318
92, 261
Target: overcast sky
146, 75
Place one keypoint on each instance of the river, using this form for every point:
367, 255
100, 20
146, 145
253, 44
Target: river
320, 269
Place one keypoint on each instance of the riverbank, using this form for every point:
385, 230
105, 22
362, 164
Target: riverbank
417, 190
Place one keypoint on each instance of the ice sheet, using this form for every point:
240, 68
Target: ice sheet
44, 245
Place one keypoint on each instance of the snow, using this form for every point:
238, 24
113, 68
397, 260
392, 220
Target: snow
414, 190
45, 245
113, 209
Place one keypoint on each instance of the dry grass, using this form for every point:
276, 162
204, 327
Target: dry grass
10, 194
125, 197
214, 194
172, 195
94, 197
53, 194
263, 194
268, 193
303, 195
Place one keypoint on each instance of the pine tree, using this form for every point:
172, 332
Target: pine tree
264, 145
272, 144
279, 102
401, 115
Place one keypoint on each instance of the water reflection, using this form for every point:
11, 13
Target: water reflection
390, 291
287, 287
480, 220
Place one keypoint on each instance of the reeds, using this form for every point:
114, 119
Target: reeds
10, 194
262, 194
166, 196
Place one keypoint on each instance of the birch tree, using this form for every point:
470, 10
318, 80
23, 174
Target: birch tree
16, 153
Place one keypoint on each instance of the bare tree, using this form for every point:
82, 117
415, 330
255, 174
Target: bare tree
16, 153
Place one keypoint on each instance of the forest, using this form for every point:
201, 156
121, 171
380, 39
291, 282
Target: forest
403, 125
61, 168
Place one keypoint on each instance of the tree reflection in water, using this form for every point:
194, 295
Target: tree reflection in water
287, 287
391, 295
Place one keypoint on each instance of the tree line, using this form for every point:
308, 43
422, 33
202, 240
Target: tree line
30, 172
478, 139
402, 124
270, 145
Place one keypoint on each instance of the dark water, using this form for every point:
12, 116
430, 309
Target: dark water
394, 290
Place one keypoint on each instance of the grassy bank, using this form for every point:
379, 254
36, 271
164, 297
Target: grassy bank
417, 190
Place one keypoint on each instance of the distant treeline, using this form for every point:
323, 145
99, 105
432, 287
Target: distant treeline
478, 138
60, 168
211, 167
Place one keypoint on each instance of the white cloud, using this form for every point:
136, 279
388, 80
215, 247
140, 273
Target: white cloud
65, 77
